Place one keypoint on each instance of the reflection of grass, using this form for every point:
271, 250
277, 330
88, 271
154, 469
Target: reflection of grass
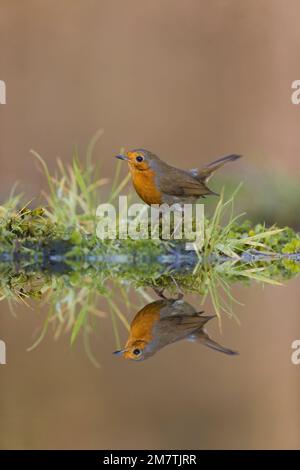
61, 237
73, 296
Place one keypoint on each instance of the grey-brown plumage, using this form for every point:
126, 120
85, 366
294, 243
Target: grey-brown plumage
180, 320
191, 184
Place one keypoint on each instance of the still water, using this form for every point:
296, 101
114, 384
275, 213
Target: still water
163, 388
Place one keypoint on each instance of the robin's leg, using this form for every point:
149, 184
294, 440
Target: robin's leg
178, 222
159, 292
180, 293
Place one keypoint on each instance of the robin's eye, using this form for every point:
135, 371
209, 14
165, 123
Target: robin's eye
139, 159
136, 352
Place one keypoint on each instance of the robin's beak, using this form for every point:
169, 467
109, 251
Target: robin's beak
119, 352
122, 157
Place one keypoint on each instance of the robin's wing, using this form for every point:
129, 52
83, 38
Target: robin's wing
173, 307
177, 182
206, 172
176, 327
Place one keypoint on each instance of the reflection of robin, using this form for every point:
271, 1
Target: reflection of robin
156, 182
164, 322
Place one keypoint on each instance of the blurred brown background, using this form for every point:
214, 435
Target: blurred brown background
191, 80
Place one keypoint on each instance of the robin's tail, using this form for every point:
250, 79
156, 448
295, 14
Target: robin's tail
201, 336
205, 173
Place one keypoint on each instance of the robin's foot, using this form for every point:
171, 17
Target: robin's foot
159, 292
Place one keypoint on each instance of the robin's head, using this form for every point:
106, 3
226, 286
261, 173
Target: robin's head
139, 159
136, 351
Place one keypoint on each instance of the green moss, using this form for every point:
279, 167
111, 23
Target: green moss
292, 247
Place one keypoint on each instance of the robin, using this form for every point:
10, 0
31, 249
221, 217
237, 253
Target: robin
164, 322
156, 182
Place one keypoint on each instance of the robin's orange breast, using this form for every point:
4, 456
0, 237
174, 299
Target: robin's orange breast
141, 327
145, 186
